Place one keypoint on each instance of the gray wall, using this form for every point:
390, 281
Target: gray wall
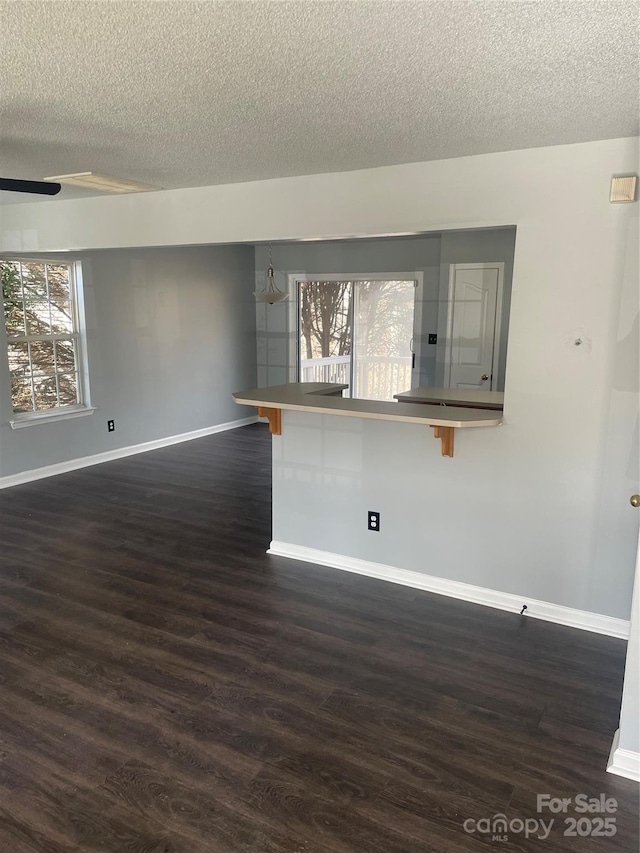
429, 254
170, 335
537, 507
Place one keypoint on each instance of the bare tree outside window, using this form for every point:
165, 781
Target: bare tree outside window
384, 318
357, 333
42, 335
325, 318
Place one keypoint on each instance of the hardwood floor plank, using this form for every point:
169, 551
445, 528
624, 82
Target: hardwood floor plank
144, 790
20, 836
168, 687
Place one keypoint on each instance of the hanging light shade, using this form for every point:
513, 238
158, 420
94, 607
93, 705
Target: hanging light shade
271, 293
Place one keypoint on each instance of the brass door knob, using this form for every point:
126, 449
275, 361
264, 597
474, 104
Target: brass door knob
484, 377
634, 500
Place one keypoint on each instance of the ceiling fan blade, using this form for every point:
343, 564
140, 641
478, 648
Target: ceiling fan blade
40, 187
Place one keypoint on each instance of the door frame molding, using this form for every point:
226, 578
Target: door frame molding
294, 300
498, 324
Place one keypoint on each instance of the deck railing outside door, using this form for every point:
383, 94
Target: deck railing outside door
376, 377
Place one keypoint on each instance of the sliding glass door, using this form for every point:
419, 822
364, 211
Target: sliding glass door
357, 333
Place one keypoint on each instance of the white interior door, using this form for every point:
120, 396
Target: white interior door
475, 297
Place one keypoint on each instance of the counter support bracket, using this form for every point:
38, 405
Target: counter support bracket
445, 434
274, 416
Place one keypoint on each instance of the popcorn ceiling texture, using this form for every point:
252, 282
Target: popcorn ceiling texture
182, 94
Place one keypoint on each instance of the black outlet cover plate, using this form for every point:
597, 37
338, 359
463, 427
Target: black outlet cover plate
373, 520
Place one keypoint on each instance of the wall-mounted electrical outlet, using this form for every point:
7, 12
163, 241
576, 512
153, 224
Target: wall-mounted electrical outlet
433, 339
373, 520
111, 426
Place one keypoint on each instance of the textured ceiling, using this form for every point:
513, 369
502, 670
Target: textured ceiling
182, 94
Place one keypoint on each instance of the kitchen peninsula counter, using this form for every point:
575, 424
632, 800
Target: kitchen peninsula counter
326, 398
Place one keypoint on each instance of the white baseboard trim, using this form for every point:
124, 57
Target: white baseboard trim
623, 762
545, 610
117, 453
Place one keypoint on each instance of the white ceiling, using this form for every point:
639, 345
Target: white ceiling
182, 94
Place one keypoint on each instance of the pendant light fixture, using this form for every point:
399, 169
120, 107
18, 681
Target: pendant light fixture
271, 293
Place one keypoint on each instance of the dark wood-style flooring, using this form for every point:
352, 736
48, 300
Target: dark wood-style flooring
167, 687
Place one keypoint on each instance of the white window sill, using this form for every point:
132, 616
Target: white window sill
49, 417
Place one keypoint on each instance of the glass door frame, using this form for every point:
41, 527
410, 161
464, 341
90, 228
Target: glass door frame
293, 283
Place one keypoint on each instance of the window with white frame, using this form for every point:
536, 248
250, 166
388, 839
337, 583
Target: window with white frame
44, 336
357, 332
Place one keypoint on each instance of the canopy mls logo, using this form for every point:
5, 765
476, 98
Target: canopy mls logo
598, 824
499, 827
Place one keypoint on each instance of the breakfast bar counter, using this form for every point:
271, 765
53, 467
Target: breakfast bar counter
326, 398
